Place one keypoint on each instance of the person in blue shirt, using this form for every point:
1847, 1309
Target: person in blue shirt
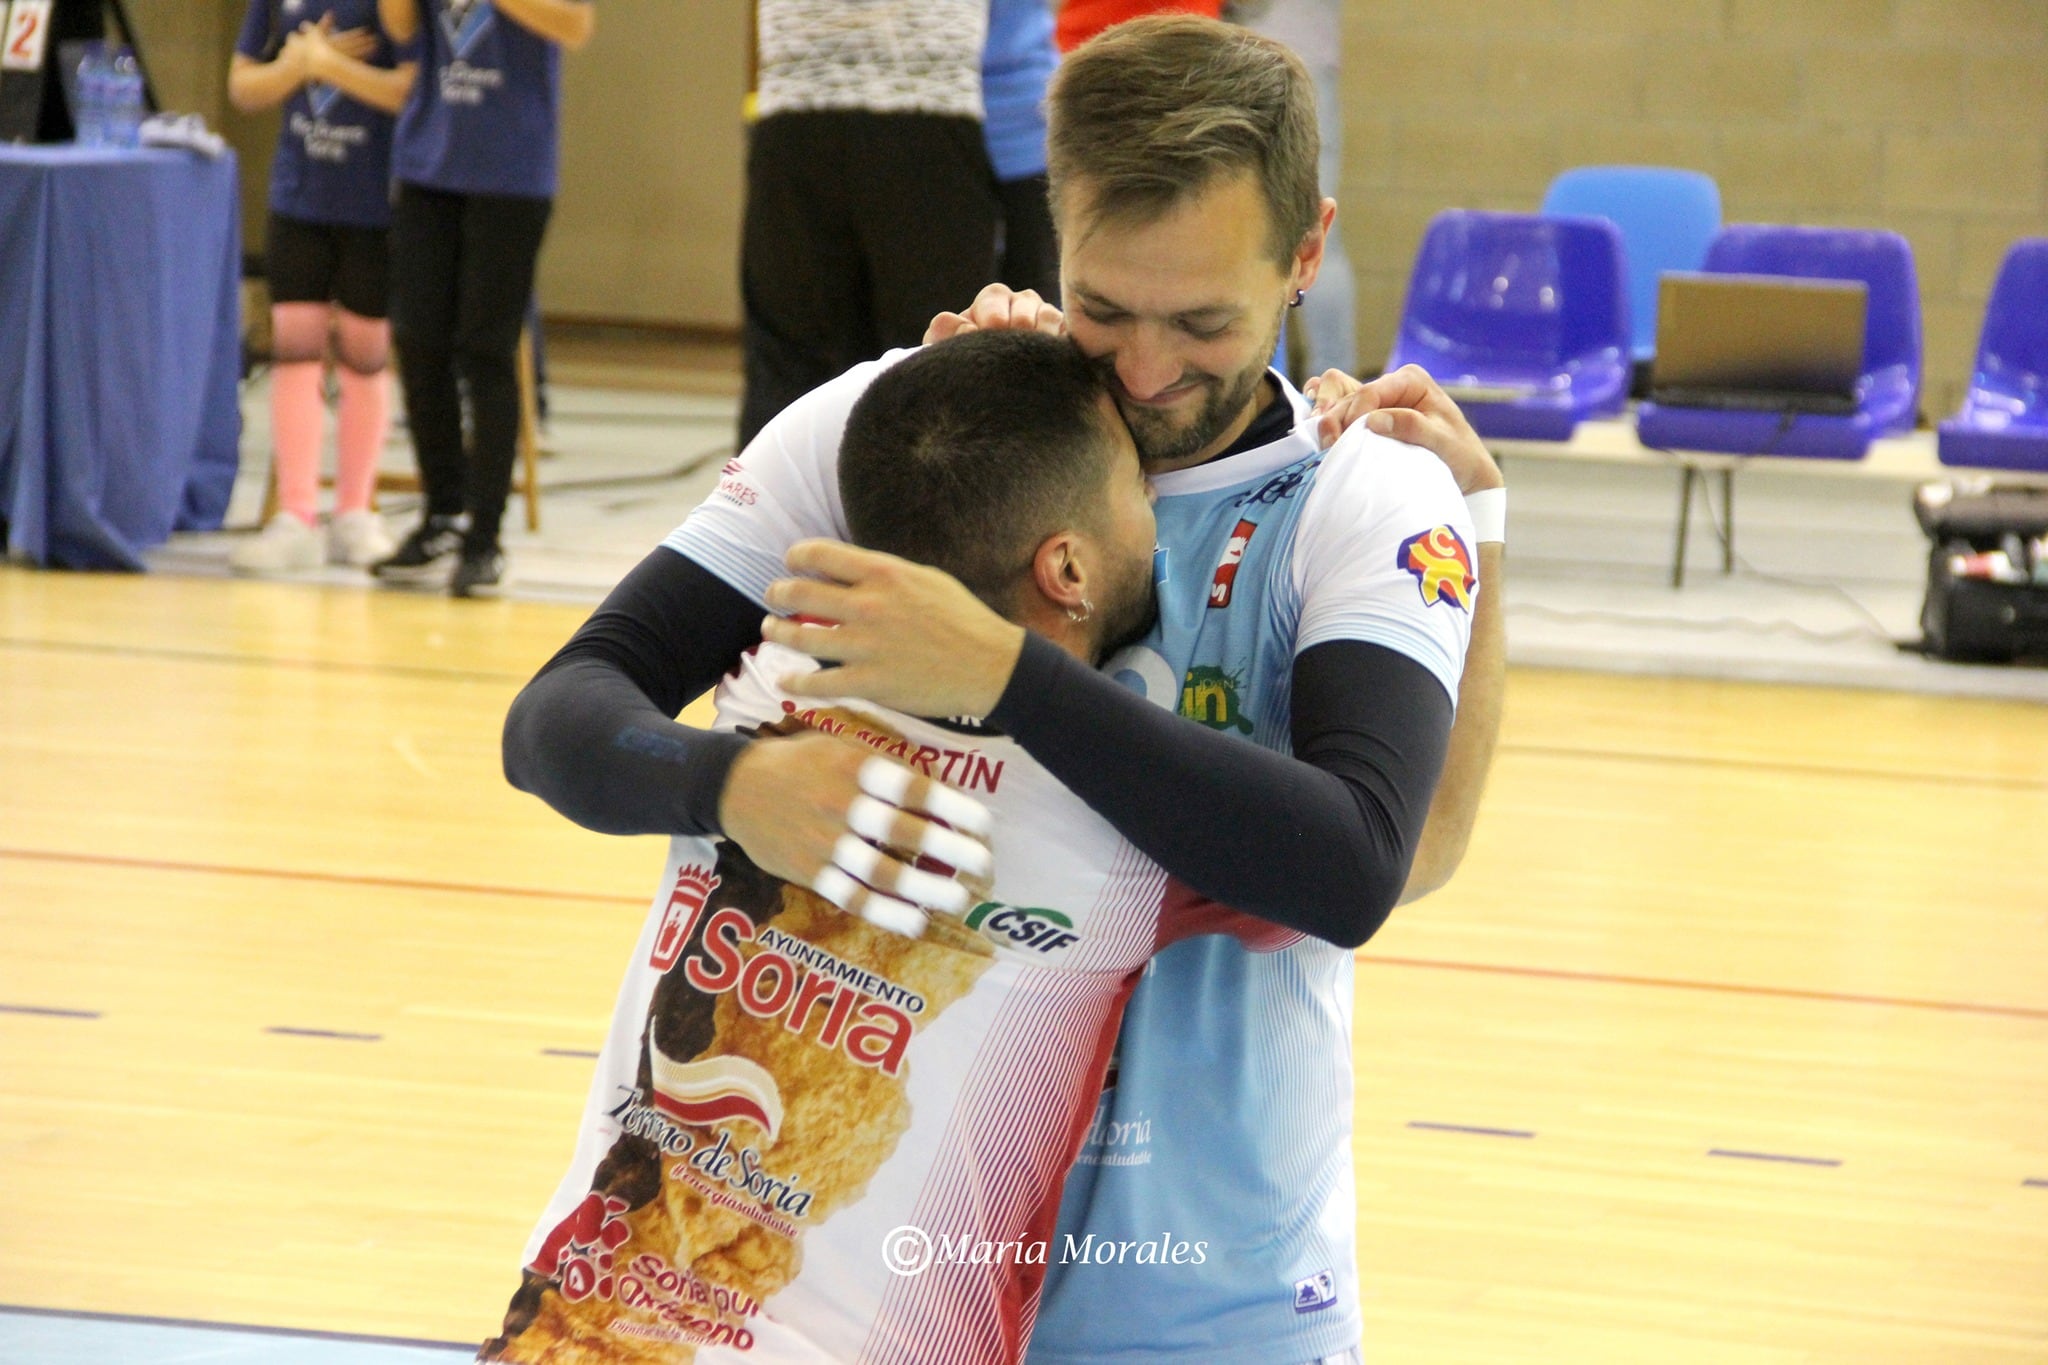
476, 161
1015, 67
327, 254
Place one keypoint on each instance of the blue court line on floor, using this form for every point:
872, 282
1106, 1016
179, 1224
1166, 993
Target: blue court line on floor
323, 878
2037, 1184
1775, 1156
56, 1336
565, 1052
290, 1032
1467, 1128
50, 1011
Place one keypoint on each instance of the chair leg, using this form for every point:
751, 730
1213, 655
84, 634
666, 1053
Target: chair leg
1687, 475
1728, 520
529, 433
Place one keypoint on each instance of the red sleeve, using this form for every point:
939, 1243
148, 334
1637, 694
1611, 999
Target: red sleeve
1081, 20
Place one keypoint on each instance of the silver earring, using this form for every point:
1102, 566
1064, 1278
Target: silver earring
1087, 610
1299, 295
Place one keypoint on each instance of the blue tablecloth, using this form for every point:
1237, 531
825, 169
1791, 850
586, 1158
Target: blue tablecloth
120, 349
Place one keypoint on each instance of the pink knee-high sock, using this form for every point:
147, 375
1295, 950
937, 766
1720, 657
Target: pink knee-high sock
297, 410
363, 423
365, 419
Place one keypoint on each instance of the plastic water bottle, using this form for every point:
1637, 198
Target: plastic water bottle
125, 99
90, 116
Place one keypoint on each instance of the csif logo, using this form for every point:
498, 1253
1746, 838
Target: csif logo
1006, 926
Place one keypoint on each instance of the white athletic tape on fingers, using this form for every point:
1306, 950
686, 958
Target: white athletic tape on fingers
870, 819
891, 782
960, 811
857, 857
932, 891
836, 886
957, 851
895, 916
863, 861
888, 781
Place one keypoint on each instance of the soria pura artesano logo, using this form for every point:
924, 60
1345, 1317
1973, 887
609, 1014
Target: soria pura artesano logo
1018, 926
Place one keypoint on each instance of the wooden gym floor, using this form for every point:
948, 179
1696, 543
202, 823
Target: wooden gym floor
1730, 1043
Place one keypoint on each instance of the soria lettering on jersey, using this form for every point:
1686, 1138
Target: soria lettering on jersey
864, 1015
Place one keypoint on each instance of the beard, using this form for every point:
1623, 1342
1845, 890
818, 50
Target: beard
1164, 437
1127, 612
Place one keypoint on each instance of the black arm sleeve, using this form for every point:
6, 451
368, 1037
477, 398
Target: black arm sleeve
594, 734
1320, 842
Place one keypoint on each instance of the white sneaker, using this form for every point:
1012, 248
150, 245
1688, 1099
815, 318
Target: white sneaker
286, 545
358, 539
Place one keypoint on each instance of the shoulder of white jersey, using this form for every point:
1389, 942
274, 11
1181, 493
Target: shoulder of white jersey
806, 434
1384, 554
1367, 475
784, 487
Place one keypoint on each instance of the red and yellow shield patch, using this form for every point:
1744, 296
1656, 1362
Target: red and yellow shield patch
1442, 567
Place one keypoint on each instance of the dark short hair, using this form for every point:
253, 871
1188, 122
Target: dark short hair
1153, 112
968, 454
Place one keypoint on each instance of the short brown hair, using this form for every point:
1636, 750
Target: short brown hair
967, 454
1154, 111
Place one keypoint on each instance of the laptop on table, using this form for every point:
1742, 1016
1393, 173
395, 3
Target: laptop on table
1759, 343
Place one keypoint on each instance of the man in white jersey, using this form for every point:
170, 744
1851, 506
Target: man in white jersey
1178, 295
813, 1139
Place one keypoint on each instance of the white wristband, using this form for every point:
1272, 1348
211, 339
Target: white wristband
1489, 510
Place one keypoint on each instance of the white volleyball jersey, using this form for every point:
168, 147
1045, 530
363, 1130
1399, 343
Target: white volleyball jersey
810, 1139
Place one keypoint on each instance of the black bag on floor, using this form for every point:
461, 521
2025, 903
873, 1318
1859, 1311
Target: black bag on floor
1987, 573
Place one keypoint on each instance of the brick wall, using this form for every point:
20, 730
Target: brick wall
1927, 117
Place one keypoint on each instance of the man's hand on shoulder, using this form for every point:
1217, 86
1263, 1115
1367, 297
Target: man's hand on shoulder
903, 635
999, 308
1410, 406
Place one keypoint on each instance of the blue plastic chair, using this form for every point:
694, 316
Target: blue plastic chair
1889, 390
1521, 302
2004, 421
1667, 219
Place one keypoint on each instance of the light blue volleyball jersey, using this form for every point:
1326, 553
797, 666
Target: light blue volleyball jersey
1228, 1120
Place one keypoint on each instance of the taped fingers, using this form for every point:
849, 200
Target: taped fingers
894, 916
861, 858
884, 912
899, 786
897, 828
